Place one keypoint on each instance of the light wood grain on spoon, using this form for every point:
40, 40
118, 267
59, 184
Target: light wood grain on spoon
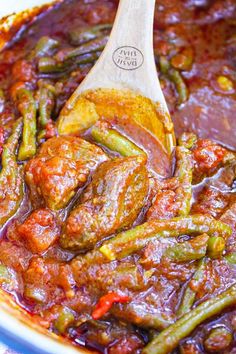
128, 59
128, 63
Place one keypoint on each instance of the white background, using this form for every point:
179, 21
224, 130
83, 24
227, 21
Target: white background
8, 7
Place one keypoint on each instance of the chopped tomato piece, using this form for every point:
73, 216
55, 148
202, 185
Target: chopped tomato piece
105, 303
39, 231
208, 155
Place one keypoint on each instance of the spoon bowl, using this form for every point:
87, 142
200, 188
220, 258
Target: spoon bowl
127, 66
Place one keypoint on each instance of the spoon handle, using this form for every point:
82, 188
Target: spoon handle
128, 59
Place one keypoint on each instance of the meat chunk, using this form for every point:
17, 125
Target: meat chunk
207, 156
116, 336
47, 280
126, 345
14, 256
229, 217
57, 179
217, 195
164, 206
211, 201
39, 231
111, 202
22, 70
61, 167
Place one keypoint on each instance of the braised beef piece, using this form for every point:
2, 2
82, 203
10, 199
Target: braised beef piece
62, 165
112, 202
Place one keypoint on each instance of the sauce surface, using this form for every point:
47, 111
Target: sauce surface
95, 244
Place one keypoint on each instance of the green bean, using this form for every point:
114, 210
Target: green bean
41, 136
90, 47
48, 65
115, 141
11, 178
189, 294
188, 250
81, 36
89, 58
168, 339
216, 247
187, 140
46, 105
46, 99
43, 47
9, 150
27, 108
64, 319
164, 64
180, 85
175, 77
231, 257
184, 173
140, 317
128, 242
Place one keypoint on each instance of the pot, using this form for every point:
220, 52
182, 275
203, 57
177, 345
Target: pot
17, 330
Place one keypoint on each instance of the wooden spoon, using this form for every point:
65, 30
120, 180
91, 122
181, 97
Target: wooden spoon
127, 63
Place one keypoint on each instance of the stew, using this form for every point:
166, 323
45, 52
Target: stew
96, 244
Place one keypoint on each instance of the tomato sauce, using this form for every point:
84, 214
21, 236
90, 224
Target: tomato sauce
93, 242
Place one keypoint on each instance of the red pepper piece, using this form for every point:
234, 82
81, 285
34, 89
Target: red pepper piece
105, 303
1, 140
